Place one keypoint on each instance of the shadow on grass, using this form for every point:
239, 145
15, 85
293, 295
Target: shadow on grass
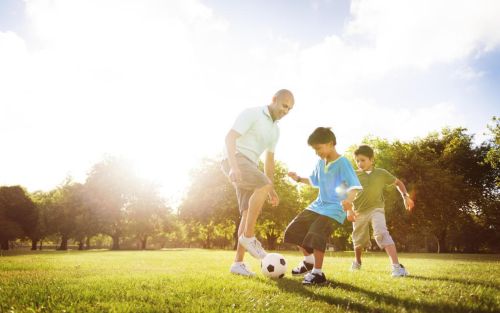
294, 286
409, 305
469, 282
393, 303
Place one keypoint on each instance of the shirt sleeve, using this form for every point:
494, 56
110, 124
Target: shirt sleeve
349, 176
389, 179
314, 177
244, 121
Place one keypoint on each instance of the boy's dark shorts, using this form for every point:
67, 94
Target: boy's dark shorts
251, 178
310, 230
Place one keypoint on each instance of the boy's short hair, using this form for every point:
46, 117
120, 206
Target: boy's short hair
321, 135
365, 150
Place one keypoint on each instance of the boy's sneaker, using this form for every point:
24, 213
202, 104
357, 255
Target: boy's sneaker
314, 279
241, 269
253, 246
399, 271
355, 266
302, 268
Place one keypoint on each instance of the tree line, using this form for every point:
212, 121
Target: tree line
454, 182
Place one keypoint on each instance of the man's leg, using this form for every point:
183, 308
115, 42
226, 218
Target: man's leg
256, 202
240, 251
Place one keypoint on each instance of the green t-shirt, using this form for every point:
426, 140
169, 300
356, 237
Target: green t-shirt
372, 195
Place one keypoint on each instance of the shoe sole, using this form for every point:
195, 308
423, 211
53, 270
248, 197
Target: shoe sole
315, 284
301, 274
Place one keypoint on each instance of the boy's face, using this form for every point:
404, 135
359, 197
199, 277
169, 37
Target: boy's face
323, 149
363, 162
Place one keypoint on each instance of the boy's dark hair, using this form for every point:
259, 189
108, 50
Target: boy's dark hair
321, 135
365, 150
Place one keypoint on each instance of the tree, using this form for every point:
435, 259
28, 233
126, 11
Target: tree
147, 213
209, 200
111, 186
18, 215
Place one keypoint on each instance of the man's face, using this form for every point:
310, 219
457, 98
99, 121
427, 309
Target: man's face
281, 106
363, 162
322, 149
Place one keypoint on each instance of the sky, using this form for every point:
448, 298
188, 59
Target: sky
161, 82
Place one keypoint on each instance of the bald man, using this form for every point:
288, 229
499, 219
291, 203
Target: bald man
254, 132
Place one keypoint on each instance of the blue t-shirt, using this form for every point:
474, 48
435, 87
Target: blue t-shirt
334, 181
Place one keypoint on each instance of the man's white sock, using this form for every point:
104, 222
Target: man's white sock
317, 271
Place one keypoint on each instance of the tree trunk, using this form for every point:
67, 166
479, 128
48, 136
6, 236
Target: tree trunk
144, 242
442, 242
4, 244
271, 242
80, 245
87, 243
41, 244
34, 244
116, 242
64, 243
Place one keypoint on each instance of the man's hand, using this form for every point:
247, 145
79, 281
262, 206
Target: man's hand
235, 175
409, 204
273, 198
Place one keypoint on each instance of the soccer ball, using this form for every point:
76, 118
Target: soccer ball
273, 265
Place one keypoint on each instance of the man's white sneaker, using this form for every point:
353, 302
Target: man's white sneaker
355, 266
253, 246
399, 270
241, 269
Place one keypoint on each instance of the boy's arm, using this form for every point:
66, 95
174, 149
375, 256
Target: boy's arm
347, 202
269, 171
235, 173
404, 193
297, 178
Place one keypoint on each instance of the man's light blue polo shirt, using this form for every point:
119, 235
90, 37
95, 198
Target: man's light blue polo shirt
258, 133
334, 181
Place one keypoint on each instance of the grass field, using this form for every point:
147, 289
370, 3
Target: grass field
194, 280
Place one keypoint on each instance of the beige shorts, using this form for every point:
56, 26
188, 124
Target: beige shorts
361, 231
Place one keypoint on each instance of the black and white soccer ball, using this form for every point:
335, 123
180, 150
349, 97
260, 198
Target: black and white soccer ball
273, 265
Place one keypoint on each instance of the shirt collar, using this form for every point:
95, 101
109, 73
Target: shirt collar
266, 112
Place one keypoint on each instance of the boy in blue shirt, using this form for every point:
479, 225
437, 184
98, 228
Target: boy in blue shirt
338, 186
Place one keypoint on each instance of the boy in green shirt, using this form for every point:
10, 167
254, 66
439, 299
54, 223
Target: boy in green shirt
369, 208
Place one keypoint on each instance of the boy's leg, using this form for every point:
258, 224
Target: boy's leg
295, 233
316, 238
357, 253
360, 237
392, 253
384, 240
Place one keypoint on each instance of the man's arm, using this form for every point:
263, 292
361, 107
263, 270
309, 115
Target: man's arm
404, 193
269, 171
231, 137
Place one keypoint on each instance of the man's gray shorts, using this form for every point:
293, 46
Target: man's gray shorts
251, 179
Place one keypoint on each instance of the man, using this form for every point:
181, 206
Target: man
254, 132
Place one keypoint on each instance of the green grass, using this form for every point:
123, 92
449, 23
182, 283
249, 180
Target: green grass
198, 281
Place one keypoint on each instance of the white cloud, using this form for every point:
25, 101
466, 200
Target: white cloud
422, 33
